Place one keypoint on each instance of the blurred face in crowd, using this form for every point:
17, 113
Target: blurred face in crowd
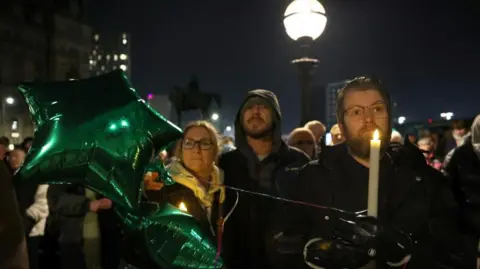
3, 151
257, 120
16, 158
425, 144
364, 112
317, 129
198, 152
304, 141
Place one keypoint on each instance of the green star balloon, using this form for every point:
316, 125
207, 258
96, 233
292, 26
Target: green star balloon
97, 132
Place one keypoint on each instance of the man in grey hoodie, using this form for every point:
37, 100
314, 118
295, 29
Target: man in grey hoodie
259, 164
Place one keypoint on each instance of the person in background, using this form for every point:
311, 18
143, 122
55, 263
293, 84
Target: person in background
227, 144
261, 163
13, 248
464, 169
33, 206
425, 144
27, 143
3, 147
459, 133
396, 137
199, 182
303, 139
337, 136
318, 129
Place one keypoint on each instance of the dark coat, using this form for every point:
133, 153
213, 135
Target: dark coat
13, 251
413, 197
248, 230
464, 170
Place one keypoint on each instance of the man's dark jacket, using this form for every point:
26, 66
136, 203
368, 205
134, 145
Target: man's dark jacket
413, 197
247, 231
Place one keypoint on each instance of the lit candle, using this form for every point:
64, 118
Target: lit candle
375, 144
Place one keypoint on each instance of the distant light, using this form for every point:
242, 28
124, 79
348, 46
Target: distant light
401, 120
124, 123
182, 207
228, 129
123, 57
124, 35
108, 57
15, 135
99, 57
91, 61
150, 96
112, 127
446, 115
124, 41
71, 79
115, 57
103, 68
430, 120
96, 37
14, 125
215, 116
10, 100
123, 67
11, 147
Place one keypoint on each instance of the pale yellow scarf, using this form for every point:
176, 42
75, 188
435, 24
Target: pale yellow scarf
205, 195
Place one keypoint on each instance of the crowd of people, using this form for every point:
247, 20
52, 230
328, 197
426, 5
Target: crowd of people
261, 194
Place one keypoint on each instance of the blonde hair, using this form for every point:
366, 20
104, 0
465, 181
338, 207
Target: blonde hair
312, 123
203, 124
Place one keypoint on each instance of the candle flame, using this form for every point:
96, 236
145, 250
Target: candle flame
376, 135
182, 207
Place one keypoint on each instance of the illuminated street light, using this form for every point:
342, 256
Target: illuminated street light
228, 128
401, 120
10, 100
305, 21
215, 116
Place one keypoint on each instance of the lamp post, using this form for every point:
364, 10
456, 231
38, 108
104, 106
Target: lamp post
305, 21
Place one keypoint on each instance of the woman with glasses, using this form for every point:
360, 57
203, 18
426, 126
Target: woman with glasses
198, 189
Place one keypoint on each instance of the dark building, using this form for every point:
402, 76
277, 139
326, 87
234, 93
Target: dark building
110, 52
39, 40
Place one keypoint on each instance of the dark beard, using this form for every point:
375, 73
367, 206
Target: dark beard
266, 134
358, 146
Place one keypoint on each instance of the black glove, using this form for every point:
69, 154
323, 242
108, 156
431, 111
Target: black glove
354, 244
335, 254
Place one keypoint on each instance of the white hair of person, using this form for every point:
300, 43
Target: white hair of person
396, 137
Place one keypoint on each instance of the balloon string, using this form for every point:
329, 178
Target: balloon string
294, 201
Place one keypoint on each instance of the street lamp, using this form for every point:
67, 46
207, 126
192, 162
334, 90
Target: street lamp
305, 21
401, 120
228, 128
10, 100
215, 116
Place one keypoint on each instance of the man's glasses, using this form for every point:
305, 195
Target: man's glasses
204, 144
358, 112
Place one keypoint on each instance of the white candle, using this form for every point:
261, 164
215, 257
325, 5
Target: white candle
375, 144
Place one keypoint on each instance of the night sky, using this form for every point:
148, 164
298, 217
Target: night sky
427, 52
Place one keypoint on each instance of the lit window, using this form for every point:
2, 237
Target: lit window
124, 35
96, 37
14, 125
108, 57
124, 42
15, 135
114, 67
123, 67
91, 61
99, 57
103, 68
115, 57
123, 57
94, 52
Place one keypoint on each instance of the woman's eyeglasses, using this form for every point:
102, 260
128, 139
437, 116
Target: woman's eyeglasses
204, 144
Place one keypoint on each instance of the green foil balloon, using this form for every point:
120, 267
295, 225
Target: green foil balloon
99, 133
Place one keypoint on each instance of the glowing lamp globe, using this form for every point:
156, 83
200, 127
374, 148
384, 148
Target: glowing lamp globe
305, 18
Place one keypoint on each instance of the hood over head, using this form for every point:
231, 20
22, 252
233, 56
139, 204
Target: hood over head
270, 100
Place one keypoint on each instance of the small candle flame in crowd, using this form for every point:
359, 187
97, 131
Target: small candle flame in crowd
182, 207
